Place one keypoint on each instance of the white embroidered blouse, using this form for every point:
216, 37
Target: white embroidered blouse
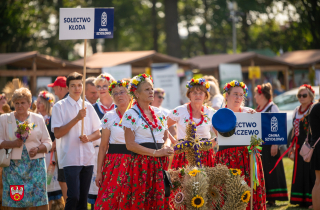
111, 121
142, 131
182, 117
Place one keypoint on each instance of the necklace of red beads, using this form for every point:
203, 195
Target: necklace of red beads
258, 108
153, 125
301, 112
191, 118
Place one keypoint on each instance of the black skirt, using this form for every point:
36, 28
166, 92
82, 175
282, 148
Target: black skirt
301, 190
276, 186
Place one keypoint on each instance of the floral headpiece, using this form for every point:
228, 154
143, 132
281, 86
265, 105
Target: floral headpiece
43, 94
259, 89
109, 79
135, 81
309, 87
235, 83
119, 83
200, 81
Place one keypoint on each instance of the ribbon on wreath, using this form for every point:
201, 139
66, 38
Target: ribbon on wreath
254, 150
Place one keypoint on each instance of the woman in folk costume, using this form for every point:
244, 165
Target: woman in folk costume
105, 102
113, 155
238, 156
196, 111
276, 186
44, 105
103, 106
303, 177
145, 129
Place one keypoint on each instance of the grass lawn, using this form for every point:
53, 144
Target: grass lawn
288, 167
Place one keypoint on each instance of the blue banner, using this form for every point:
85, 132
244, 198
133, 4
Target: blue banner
274, 128
103, 23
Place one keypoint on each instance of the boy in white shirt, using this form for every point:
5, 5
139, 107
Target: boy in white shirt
75, 152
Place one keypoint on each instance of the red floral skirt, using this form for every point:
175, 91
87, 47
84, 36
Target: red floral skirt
114, 169
180, 160
238, 157
143, 186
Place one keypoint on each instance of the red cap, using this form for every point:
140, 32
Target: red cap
60, 81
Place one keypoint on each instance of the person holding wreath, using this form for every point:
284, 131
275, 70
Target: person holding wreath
238, 156
195, 111
146, 135
113, 156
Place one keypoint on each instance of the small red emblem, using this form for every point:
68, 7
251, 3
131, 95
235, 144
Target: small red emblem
16, 192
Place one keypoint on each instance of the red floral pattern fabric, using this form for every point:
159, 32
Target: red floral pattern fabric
143, 186
238, 157
180, 160
110, 193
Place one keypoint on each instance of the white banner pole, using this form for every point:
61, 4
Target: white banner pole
84, 81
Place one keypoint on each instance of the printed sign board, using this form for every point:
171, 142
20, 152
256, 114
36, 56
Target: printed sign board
254, 72
165, 76
86, 23
271, 127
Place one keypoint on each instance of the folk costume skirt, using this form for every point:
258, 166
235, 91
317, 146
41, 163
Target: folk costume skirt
143, 186
115, 167
238, 157
276, 186
303, 175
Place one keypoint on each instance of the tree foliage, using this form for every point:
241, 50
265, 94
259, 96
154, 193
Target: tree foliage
204, 26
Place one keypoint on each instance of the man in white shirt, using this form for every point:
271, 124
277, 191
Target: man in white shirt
75, 151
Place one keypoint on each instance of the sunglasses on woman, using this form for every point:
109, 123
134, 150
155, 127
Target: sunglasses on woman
303, 95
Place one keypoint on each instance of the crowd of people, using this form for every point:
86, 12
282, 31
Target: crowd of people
113, 151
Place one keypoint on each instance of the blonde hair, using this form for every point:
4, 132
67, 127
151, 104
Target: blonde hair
101, 78
22, 93
311, 94
46, 103
198, 87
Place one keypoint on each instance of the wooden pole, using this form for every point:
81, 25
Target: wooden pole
84, 81
251, 179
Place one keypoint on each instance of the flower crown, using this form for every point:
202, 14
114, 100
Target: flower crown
43, 94
105, 77
119, 83
309, 87
200, 81
235, 83
135, 81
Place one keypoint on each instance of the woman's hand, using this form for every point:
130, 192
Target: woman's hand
17, 143
214, 142
166, 151
251, 111
33, 151
274, 150
98, 179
